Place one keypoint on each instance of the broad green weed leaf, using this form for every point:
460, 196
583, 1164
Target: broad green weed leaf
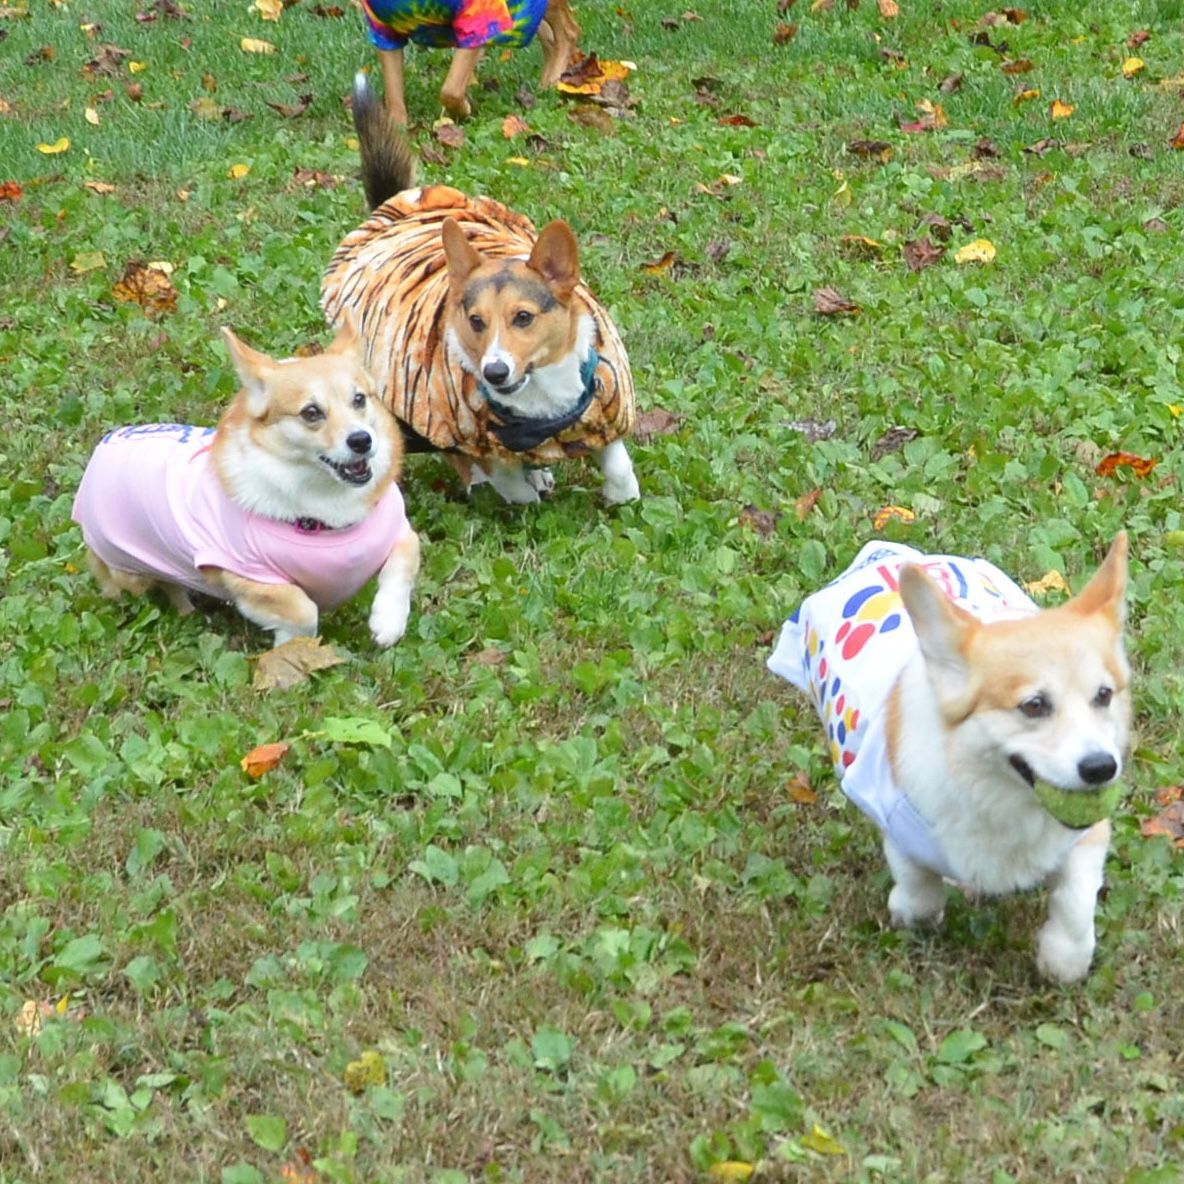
354, 730
959, 1046
552, 1049
269, 1131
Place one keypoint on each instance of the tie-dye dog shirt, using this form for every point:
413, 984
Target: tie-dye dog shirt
453, 24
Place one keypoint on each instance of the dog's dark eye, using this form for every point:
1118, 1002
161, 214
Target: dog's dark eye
1036, 706
1103, 697
477, 324
523, 319
311, 413
359, 400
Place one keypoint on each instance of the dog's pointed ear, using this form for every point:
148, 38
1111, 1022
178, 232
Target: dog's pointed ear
556, 257
944, 631
254, 369
463, 258
345, 341
1106, 591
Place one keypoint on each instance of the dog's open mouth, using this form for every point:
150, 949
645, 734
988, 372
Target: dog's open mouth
352, 472
512, 388
1024, 769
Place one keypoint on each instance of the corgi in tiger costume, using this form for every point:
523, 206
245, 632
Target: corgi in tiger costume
481, 336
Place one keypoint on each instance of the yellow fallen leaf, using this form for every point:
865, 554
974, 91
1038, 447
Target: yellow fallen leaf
889, 9
886, 513
520, 161
1026, 96
269, 10
161, 265
368, 1069
57, 146
1176, 410
818, 1140
1051, 581
982, 250
98, 186
842, 196
87, 261
31, 1016
137, 67
256, 45
1131, 67
91, 116
1060, 110
351, 142
731, 1171
236, 171
936, 111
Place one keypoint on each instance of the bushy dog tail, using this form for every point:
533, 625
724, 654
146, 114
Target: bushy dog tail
388, 163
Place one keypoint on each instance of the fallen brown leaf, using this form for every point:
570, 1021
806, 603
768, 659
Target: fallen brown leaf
859, 246
147, 286
1137, 38
10, 191
1168, 823
597, 118
871, 150
922, 253
451, 135
737, 120
1177, 141
805, 503
490, 656
292, 663
1020, 66
984, 149
1141, 466
829, 302
314, 179
1042, 146
764, 522
784, 31
948, 85
514, 125
939, 227
814, 429
655, 422
893, 440
659, 266
293, 110
800, 790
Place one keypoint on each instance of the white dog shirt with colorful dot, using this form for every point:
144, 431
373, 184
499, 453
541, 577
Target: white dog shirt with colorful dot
845, 647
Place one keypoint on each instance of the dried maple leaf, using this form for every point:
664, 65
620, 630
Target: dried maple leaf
10, 191
450, 134
655, 422
1168, 823
107, 61
514, 125
1015, 16
806, 502
588, 75
784, 31
933, 118
737, 120
293, 110
292, 663
886, 514
764, 522
44, 54
329, 11
594, 117
830, 302
922, 253
1137, 38
939, 227
147, 286
871, 150
263, 758
1058, 109
984, 149
1141, 466
299, 1169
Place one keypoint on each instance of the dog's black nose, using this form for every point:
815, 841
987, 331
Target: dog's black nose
1097, 768
496, 372
358, 442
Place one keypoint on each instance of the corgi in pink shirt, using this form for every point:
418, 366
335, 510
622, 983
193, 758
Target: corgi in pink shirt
288, 507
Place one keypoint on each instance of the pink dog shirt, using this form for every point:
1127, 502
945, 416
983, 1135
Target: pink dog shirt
151, 504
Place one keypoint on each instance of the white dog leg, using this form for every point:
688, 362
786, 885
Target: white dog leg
392, 600
1065, 946
620, 482
512, 483
918, 896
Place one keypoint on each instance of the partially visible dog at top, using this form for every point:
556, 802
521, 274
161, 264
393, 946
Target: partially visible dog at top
482, 337
982, 735
465, 26
286, 508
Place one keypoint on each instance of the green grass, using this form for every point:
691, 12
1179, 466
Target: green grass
572, 903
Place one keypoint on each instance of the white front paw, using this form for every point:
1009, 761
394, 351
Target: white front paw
388, 623
916, 908
541, 480
622, 488
1062, 958
514, 487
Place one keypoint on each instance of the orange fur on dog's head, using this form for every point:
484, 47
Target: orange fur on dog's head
307, 429
1050, 690
513, 316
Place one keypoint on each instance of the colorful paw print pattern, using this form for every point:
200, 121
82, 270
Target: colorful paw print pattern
856, 636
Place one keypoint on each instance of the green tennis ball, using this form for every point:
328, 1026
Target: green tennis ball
1079, 807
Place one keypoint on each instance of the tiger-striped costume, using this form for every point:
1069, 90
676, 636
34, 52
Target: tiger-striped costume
392, 274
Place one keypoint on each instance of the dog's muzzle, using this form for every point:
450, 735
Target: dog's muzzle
352, 472
1024, 769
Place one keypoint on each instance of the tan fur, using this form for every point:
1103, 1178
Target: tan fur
558, 35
